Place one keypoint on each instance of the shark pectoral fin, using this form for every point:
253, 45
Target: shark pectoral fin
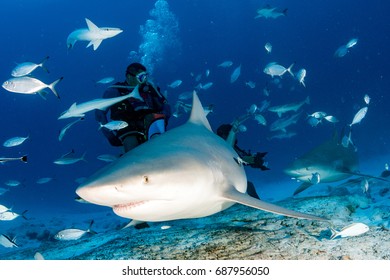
366, 176
302, 187
95, 43
132, 223
245, 199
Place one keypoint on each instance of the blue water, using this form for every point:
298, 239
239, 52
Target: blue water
207, 33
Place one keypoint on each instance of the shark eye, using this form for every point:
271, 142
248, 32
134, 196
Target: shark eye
145, 179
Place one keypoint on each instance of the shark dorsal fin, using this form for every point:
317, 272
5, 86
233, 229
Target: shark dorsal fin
198, 116
91, 25
73, 107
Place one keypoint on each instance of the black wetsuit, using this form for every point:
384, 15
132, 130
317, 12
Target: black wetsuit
137, 113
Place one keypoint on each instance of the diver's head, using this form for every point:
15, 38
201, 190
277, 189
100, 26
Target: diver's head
136, 74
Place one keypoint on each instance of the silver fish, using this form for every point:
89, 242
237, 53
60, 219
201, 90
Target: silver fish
107, 157
44, 180
4, 208
67, 159
359, 116
73, 233
10, 215
28, 85
66, 127
268, 47
236, 73
26, 68
106, 80
226, 64
175, 84
351, 43
7, 242
14, 141
351, 230
274, 69
114, 125
341, 51
3, 191
367, 99
12, 183
331, 119
22, 159
301, 74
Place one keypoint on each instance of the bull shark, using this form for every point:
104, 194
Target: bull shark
187, 172
93, 34
329, 162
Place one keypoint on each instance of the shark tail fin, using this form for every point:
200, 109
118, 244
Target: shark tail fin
247, 200
198, 115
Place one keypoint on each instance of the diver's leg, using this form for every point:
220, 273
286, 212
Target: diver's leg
130, 142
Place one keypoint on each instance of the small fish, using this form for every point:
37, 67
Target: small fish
73, 234
318, 115
67, 159
341, 51
260, 119
14, 141
351, 43
226, 64
364, 184
114, 125
268, 47
22, 158
107, 157
270, 12
7, 242
44, 180
359, 116
175, 84
242, 128
301, 74
165, 227
26, 68
313, 121
315, 178
9, 215
66, 127
347, 140
252, 109
235, 74
351, 230
185, 95
331, 119
3, 191
12, 183
207, 72
274, 69
251, 84
206, 86
28, 85
106, 80
367, 99
4, 208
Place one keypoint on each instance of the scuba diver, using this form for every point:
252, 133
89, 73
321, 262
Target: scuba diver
145, 116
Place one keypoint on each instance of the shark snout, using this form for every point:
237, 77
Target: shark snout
107, 195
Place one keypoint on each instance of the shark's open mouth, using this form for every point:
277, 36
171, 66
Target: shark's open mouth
127, 206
